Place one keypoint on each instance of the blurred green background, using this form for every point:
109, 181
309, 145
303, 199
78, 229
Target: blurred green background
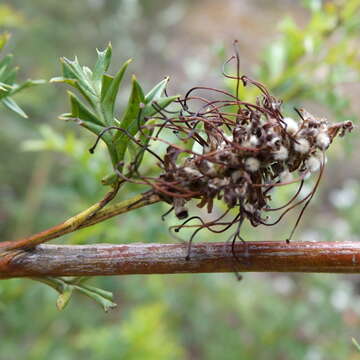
306, 52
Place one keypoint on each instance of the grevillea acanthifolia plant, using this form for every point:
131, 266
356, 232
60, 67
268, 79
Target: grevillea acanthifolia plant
216, 147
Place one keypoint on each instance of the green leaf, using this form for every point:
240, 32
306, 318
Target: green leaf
4, 89
110, 180
153, 108
79, 110
108, 102
10, 76
106, 137
103, 62
145, 138
66, 286
105, 84
27, 84
104, 298
67, 70
12, 105
61, 79
4, 63
156, 92
73, 70
356, 344
64, 298
130, 120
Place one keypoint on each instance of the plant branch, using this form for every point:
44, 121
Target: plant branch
126, 259
93, 215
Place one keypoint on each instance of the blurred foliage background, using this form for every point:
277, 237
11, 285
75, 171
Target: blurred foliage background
306, 52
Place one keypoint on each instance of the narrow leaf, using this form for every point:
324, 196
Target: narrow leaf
98, 297
144, 138
27, 84
64, 298
156, 92
9, 76
153, 108
12, 105
130, 121
108, 103
105, 84
79, 110
62, 79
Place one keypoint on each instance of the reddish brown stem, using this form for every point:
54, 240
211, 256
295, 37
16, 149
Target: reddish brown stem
107, 259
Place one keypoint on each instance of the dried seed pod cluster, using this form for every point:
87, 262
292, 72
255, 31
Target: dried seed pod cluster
237, 152
247, 150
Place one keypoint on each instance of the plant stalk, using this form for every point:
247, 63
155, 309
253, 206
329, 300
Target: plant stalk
128, 259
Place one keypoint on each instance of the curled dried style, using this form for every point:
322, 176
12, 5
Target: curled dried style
246, 151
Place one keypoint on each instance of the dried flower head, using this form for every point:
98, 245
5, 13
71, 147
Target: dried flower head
247, 150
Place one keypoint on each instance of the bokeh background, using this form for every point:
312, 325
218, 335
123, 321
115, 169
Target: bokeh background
306, 52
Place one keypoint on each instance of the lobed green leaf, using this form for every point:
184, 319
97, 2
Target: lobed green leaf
103, 63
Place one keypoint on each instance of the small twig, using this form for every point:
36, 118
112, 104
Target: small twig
126, 259
93, 215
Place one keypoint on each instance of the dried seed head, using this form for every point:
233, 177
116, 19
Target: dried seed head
302, 146
239, 157
291, 125
313, 164
322, 141
252, 164
281, 154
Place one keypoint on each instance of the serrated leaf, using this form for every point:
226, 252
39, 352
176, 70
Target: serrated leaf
73, 70
103, 63
12, 105
79, 110
156, 92
67, 70
109, 99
